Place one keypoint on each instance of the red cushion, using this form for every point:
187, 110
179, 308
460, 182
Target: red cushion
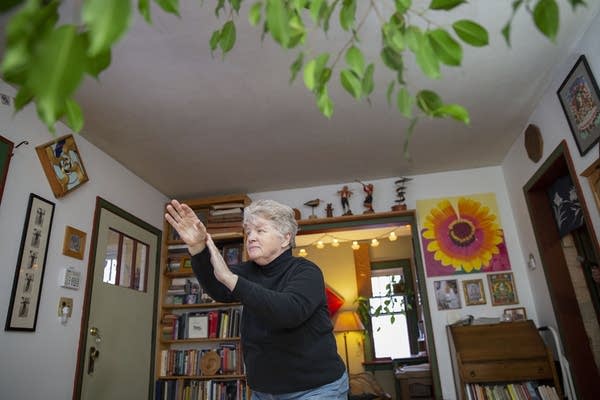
334, 300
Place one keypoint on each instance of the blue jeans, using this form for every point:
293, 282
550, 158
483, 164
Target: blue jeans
336, 390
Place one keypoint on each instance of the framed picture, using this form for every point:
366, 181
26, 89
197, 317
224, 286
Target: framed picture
515, 314
474, 292
197, 326
580, 100
29, 274
502, 289
74, 243
62, 165
232, 254
446, 294
6, 147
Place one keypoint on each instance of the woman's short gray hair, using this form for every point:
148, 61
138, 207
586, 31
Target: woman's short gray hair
280, 215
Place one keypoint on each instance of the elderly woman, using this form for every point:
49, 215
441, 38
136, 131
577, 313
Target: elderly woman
287, 340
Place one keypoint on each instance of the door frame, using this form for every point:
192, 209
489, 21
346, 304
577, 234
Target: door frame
570, 324
83, 334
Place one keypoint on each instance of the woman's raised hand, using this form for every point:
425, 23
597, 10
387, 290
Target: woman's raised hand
190, 229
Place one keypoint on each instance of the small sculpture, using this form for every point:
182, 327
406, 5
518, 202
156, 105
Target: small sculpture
368, 203
400, 189
345, 194
313, 203
329, 210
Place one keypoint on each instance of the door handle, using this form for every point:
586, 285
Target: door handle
94, 353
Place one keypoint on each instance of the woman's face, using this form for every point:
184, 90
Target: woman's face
264, 242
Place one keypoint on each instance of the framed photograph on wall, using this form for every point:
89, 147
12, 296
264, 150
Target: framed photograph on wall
580, 99
515, 314
29, 274
446, 294
232, 254
6, 148
474, 292
502, 289
62, 165
74, 243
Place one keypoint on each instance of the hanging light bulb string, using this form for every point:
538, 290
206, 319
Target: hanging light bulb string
335, 241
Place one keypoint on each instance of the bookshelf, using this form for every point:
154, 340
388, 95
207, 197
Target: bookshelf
508, 356
198, 344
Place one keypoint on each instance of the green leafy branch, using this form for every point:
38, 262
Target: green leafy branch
47, 61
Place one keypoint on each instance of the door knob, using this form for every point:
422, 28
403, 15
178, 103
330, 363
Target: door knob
96, 333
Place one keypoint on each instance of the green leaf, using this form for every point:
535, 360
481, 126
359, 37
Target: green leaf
235, 4
347, 14
367, 81
107, 21
405, 102
351, 82
56, 70
445, 4
277, 20
317, 8
455, 111
220, 6
471, 32
95, 65
325, 104
327, 15
309, 75
254, 13
426, 57
403, 5
409, 133
392, 59
74, 115
506, 33
446, 48
393, 37
296, 66
6, 5
144, 9
546, 17
23, 97
390, 91
170, 6
227, 36
215, 39
575, 3
355, 60
428, 101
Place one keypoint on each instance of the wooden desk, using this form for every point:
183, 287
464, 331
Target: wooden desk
415, 382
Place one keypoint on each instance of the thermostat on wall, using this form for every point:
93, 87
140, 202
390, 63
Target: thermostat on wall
69, 278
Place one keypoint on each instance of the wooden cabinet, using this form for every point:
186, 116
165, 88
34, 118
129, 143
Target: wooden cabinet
198, 346
511, 352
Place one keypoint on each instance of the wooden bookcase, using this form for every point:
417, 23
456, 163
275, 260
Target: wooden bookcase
503, 353
190, 325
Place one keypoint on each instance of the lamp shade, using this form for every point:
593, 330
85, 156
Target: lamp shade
347, 321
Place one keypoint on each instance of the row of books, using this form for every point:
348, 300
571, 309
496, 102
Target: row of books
224, 213
529, 390
202, 325
200, 390
189, 362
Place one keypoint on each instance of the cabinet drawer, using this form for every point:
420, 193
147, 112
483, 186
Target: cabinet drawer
508, 370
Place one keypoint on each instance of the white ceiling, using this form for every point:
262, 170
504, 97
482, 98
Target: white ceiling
195, 125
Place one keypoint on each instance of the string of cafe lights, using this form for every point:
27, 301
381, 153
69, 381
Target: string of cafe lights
335, 241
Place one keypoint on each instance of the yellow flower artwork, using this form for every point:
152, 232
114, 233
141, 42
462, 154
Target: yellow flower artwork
462, 235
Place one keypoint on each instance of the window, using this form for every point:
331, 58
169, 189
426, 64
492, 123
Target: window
391, 283
126, 261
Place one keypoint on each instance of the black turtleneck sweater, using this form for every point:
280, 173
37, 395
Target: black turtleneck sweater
287, 335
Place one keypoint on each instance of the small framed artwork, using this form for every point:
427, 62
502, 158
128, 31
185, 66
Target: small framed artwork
502, 289
474, 292
6, 147
74, 243
197, 326
29, 273
62, 165
232, 254
515, 314
446, 294
580, 99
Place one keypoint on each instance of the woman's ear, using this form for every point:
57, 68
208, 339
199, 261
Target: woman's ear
286, 240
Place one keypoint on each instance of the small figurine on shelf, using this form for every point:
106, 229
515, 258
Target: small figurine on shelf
345, 194
400, 189
313, 203
329, 210
368, 203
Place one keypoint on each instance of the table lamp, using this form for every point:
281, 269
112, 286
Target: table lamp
347, 321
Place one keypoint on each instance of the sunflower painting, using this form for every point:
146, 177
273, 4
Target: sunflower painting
462, 235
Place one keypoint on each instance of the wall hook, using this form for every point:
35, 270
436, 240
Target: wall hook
22, 142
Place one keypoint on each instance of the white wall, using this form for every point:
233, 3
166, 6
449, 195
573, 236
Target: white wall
41, 364
448, 184
518, 169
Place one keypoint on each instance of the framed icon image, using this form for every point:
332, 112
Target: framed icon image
74, 243
502, 289
232, 254
474, 292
